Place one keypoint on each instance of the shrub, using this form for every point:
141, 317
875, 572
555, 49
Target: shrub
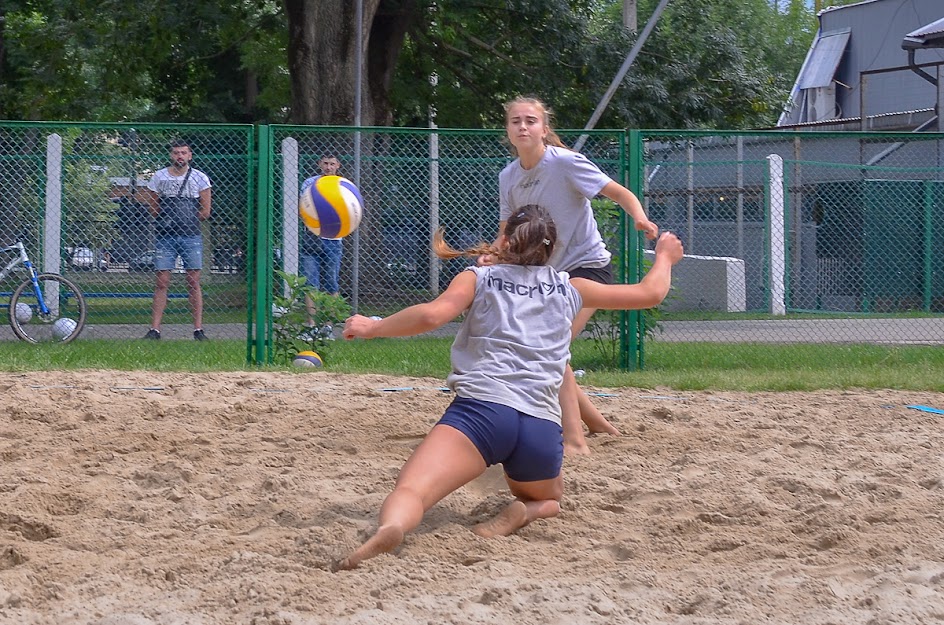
295, 328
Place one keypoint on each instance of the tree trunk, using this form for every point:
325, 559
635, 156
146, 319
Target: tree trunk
387, 33
322, 58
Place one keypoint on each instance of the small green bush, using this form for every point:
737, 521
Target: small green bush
294, 328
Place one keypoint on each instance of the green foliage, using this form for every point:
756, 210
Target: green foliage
91, 214
709, 63
485, 53
116, 61
88, 213
300, 318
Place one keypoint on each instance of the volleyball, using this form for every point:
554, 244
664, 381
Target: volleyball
63, 328
307, 359
331, 207
23, 312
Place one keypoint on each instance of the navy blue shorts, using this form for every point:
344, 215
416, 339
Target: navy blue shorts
529, 449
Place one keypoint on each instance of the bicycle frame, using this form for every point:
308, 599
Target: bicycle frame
22, 259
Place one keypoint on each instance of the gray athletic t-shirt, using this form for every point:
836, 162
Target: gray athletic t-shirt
562, 183
514, 344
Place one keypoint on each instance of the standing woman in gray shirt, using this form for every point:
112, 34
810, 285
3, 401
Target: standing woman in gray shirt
563, 181
508, 363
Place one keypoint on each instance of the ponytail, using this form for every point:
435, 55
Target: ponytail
530, 236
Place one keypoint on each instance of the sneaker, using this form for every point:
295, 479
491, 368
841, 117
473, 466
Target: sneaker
327, 332
153, 335
198, 335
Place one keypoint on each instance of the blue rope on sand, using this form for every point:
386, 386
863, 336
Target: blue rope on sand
926, 409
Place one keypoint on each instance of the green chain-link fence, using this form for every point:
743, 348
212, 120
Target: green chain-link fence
798, 236
74, 193
413, 182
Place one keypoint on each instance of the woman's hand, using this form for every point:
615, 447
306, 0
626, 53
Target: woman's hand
650, 229
359, 326
669, 247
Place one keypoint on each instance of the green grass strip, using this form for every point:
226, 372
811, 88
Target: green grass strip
682, 366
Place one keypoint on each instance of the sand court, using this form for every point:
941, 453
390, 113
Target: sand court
138, 498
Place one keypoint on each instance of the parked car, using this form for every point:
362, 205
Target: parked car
82, 258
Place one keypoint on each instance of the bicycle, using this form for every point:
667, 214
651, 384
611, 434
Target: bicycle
46, 307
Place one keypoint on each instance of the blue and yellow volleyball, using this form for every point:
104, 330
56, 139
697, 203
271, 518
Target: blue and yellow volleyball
331, 207
307, 359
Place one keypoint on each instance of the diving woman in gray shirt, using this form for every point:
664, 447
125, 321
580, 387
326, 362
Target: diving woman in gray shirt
508, 363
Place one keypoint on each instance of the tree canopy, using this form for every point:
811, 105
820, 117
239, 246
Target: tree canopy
103, 60
708, 63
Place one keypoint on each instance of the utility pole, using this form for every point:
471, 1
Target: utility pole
630, 22
605, 100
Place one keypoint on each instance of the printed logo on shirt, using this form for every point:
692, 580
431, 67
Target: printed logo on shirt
527, 184
525, 290
171, 187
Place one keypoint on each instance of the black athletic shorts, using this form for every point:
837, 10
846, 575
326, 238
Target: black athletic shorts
603, 275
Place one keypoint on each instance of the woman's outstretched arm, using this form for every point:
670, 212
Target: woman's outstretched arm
649, 292
419, 318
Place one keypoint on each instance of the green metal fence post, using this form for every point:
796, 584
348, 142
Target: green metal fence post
632, 352
262, 271
928, 242
251, 190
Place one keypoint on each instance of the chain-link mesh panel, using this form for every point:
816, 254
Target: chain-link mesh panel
74, 192
840, 232
413, 182
801, 237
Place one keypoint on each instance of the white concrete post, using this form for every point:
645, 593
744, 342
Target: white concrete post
290, 193
433, 208
777, 267
52, 235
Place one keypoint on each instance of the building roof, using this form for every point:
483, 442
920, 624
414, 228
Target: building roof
928, 36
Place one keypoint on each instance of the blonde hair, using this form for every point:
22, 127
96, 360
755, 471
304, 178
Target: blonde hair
530, 234
547, 114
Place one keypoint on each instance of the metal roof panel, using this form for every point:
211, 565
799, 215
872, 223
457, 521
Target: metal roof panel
928, 36
824, 59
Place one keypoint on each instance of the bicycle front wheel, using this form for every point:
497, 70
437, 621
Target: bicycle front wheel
65, 305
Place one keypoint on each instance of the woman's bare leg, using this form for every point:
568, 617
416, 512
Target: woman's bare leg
535, 500
444, 461
592, 417
574, 441
589, 414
